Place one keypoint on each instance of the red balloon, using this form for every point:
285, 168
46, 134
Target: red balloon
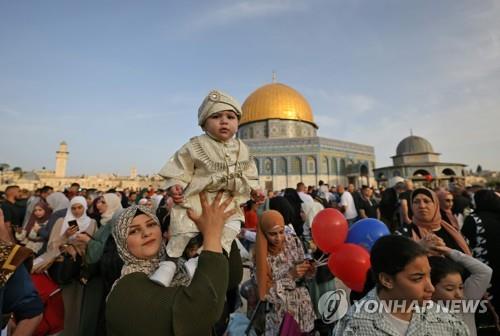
329, 229
350, 263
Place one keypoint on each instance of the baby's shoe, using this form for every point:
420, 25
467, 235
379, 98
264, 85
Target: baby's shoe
164, 274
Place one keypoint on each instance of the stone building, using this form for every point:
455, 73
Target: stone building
57, 179
278, 126
415, 159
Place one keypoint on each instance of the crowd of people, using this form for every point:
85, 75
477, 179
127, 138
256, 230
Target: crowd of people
171, 262
457, 241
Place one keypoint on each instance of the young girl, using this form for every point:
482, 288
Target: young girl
446, 276
402, 274
212, 162
38, 220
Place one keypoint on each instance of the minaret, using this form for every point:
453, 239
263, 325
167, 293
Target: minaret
62, 159
133, 173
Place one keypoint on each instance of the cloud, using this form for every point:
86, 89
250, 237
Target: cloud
6, 111
326, 121
471, 52
352, 103
232, 11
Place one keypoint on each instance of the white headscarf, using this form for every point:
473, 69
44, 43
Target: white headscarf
311, 209
114, 204
57, 201
156, 199
83, 221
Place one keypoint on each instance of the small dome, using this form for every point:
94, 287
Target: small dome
30, 176
414, 145
276, 101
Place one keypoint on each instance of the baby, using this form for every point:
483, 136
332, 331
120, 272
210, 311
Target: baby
212, 162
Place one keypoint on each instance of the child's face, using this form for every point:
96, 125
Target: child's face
450, 287
222, 125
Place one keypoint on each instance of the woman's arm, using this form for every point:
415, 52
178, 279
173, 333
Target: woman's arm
204, 297
95, 246
480, 274
56, 239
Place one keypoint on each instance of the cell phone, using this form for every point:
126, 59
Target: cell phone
72, 223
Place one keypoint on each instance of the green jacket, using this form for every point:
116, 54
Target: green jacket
138, 306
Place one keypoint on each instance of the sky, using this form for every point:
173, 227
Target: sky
121, 81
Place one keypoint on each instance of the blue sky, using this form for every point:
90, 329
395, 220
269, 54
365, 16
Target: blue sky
121, 81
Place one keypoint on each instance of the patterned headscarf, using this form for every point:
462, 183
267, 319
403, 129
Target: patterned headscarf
11, 257
120, 233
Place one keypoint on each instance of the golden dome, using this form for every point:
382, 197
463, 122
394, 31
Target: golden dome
276, 101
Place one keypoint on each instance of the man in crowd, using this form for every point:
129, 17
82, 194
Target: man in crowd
45, 192
13, 213
389, 205
347, 206
367, 207
304, 196
405, 203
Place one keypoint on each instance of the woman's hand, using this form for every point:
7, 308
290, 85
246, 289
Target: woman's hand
444, 250
71, 250
299, 270
430, 242
175, 192
312, 269
71, 231
36, 227
211, 220
83, 237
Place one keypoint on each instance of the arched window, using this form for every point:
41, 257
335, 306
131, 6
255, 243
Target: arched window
334, 167
363, 170
311, 165
342, 167
421, 172
281, 166
267, 169
448, 172
324, 165
295, 166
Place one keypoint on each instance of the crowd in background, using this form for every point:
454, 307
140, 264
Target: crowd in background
77, 225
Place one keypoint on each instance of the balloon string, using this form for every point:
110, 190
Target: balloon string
319, 264
321, 259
